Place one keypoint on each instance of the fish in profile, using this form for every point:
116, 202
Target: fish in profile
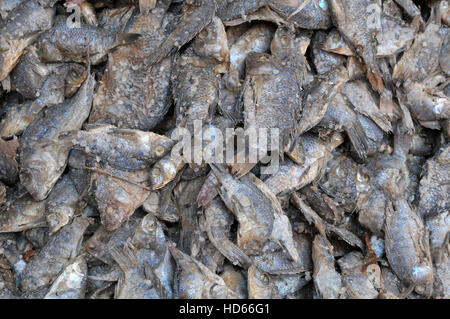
64, 43
42, 157
19, 30
310, 156
218, 221
125, 149
152, 251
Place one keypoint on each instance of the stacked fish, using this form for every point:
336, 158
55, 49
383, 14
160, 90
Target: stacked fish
96, 203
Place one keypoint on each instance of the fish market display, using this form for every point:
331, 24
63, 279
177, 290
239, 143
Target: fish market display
224, 149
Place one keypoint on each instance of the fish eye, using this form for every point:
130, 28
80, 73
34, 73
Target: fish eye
159, 150
284, 40
342, 172
362, 177
156, 172
265, 279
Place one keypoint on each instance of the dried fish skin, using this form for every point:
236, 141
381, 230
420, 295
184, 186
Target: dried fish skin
61, 204
152, 250
71, 283
327, 281
212, 42
257, 39
195, 90
16, 119
228, 10
235, 280
316, 103
130, 96
100, 243
125, 149
19, 30
63, 43
54, 256
263, 226
24, 213
422, 58
325, 60
434, 185
395, 36
335, 43
339, 181
311, 156
272, 96
409, 256
359, 284
361, 98
195, 281
135, 282
341, 117
438, 227
351, 19
119, 193
42, 158
8, 164
426, 104
312, 14
260, 285
197, 14
218, 221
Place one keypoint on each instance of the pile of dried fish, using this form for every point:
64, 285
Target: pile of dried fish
95, 201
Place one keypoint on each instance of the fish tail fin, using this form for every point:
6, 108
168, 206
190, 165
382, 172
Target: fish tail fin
358, 139
124, 257
232, 252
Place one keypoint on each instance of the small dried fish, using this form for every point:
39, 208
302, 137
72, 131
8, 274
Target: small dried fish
54, 256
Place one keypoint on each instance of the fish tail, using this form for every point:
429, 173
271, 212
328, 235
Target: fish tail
358, 139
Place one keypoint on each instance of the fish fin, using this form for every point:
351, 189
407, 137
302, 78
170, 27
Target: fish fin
232, 252
124, 257
358, 139
150, 275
